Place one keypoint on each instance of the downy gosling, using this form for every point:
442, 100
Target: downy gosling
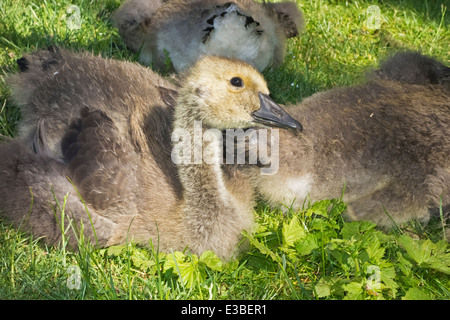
116, 155
175, 33
384, 144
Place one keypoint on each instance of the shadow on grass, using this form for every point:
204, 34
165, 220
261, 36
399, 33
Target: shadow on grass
428, 9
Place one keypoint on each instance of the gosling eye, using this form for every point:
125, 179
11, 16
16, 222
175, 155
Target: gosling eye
237, 82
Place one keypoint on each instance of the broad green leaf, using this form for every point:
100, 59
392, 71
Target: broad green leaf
440, 260
189, 273
374, 250
185, 267
426, 253
306, 246
419, 253
144, 262
292, 232
139, 258
116, 250
440, 263
416, 294
388, 275
232, 265
356, 228
319, 208
172, 260
320, 224
328, 285
403, 264
354, 290
322, 288
211, 260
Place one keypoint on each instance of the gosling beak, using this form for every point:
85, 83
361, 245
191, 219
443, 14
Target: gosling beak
271, 114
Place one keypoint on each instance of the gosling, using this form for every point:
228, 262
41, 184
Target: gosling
184, 30
56, 85
130, 188
384, 144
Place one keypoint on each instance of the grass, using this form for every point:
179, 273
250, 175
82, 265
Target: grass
309, 254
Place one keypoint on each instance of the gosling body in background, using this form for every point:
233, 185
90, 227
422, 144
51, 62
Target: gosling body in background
112, 115
184, 30
116, 151
56, 85
387, 142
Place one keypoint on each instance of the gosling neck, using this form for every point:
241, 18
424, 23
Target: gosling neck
200, 166
207, 204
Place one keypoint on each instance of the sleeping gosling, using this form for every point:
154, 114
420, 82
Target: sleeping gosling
384, 144
184, 30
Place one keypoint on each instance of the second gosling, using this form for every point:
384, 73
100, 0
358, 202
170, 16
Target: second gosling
384, 143
184, 30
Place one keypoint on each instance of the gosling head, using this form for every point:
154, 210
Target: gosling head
225, 93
